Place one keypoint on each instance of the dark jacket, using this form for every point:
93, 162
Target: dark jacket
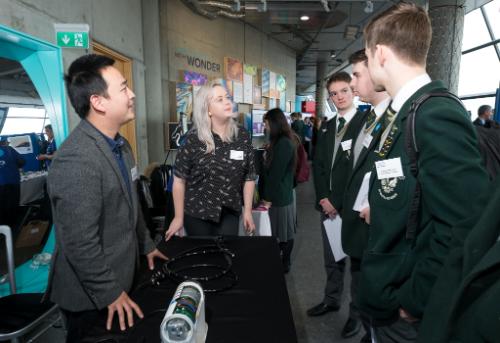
464, 305
397, 272
324, 173
99, 227
354, 228
278, 176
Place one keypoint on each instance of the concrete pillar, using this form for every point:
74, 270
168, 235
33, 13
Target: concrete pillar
321, 69
153, 80
443, 61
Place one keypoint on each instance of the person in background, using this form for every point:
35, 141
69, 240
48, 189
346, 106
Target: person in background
355, 229
10, 180
92, 185
214, 172
316, 125
412, 218
484, 116
278, 181
331, 167
51, 147
298, 125
308, 133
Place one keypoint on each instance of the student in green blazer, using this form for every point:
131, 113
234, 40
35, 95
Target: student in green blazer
354, 228
331, 167
278, 181
464, 305
399, 269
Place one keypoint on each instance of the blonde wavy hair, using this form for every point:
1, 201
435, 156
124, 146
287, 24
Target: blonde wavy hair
202, 122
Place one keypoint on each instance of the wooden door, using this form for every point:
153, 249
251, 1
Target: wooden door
124, 65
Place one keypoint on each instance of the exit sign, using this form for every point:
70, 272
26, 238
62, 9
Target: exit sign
72, 35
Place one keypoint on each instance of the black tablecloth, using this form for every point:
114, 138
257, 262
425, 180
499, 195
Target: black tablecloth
256, 309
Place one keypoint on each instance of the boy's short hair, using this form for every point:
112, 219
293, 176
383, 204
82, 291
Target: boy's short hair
340, 76
359, 56
84, 79
405, 28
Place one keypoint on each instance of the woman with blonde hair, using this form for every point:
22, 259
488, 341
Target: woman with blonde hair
214, 172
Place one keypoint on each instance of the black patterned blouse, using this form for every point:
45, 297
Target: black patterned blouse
214, 180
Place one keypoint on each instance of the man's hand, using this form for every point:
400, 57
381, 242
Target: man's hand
328, 208
151, 256
406, 316
123, 305
365, 214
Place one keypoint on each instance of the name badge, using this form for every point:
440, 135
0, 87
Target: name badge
134, 173
236, 155
346, 145
367, 141
389, 168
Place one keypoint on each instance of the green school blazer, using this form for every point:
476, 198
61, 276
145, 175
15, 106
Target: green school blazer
464, 305
278, 177
355, 229
324, 173
397, 272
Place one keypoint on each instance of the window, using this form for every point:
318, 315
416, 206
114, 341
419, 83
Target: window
480, 69
25, 120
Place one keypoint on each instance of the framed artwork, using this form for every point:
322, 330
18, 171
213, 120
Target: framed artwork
173, 135
247, 88
184, 98
280, 83
233, 69
193, 78
265, 82
250, 69
257, 95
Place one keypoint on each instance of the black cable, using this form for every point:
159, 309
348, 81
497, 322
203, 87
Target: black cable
178, 273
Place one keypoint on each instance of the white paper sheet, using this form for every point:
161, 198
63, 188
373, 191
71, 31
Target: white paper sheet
362, 197
333, 229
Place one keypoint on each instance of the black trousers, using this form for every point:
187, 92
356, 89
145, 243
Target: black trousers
227, 225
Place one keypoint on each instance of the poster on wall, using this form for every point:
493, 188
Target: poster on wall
194, 78
237, 91
280, 83
283, 101
258, 123
265, 82
250, 69
247, 88
229, 87
184, 98
257, 95
272, 85
233, 69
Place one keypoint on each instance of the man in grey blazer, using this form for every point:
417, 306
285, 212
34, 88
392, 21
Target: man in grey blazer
99, 227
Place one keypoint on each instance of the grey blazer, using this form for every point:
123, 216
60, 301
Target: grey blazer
99, 226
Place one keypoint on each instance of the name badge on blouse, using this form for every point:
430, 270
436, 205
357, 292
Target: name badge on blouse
236, 155
134, 173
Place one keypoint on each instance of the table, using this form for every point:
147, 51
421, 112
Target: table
32, 186
256, 309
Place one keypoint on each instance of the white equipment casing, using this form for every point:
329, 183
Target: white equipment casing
197, 329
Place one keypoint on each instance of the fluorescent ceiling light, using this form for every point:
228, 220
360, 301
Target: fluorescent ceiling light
304, 18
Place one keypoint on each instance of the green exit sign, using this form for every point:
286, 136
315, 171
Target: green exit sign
72, 35
73, 39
